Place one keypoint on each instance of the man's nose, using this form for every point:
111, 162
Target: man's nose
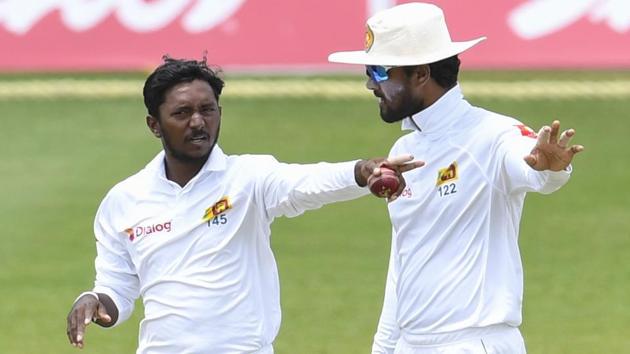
370, 84
196, 120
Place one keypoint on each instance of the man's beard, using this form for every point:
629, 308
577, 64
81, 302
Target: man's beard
407, 108
186, 158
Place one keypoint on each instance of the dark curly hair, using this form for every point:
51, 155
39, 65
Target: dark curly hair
173, 72
444, 72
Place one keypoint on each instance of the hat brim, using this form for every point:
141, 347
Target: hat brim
371, 58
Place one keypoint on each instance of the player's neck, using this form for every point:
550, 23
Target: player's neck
182, 171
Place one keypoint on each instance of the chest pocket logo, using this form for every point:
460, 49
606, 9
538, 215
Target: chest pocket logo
213, 214
447, 174
446, 180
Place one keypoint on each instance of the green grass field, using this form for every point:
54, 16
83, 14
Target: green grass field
59, 158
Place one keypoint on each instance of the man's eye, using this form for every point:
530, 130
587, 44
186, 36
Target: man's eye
208, 109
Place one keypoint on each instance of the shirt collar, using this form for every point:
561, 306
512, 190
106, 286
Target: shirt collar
217, 161
438, 116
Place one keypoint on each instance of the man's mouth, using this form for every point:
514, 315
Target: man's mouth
379, 97
199, 138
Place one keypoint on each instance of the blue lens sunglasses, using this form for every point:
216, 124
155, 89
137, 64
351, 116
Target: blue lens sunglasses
378, 73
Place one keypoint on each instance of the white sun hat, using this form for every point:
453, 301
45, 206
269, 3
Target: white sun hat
408, 34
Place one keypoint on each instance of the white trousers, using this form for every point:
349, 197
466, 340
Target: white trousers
499, 339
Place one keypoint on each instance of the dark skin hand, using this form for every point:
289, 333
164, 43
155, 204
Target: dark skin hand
552, 151
403, 163
87, 309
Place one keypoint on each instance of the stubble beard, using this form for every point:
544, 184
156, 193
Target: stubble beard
187, 158
407, 109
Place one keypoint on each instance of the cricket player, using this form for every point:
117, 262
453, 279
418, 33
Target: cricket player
455, 279
190, 233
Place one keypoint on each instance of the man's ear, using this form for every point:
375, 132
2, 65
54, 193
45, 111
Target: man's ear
422, 74
154, 126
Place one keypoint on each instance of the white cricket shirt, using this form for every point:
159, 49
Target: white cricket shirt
455, 261
200, 256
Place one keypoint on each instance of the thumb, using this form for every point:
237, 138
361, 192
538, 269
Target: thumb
101, 314
531, 160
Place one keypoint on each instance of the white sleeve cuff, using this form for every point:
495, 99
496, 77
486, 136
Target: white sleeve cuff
124, 307
92, 293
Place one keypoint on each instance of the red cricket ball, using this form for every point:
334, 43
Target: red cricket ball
385, 185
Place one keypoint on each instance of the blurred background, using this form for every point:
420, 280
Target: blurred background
72, 125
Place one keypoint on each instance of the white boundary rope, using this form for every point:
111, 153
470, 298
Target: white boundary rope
318, 88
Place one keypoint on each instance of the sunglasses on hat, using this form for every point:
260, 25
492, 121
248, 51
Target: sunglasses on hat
378, 73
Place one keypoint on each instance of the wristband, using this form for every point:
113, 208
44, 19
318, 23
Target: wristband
86, 293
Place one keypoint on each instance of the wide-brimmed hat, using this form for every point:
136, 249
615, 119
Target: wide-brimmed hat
407, 34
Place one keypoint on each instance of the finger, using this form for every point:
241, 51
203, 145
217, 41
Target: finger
76, 326
393, 197
565, 137
576, 149
398, 160
101, 314
398, 192
71, 327
531, 160
543, 135
77, 322
84, 320
88, 315
555, 129
80, 332
411, 166
369, 179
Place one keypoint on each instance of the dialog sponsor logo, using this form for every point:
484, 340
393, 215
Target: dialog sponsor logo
142, 231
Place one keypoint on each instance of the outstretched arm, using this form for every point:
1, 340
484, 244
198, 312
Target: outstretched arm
552, 152
291, 189
533, 163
